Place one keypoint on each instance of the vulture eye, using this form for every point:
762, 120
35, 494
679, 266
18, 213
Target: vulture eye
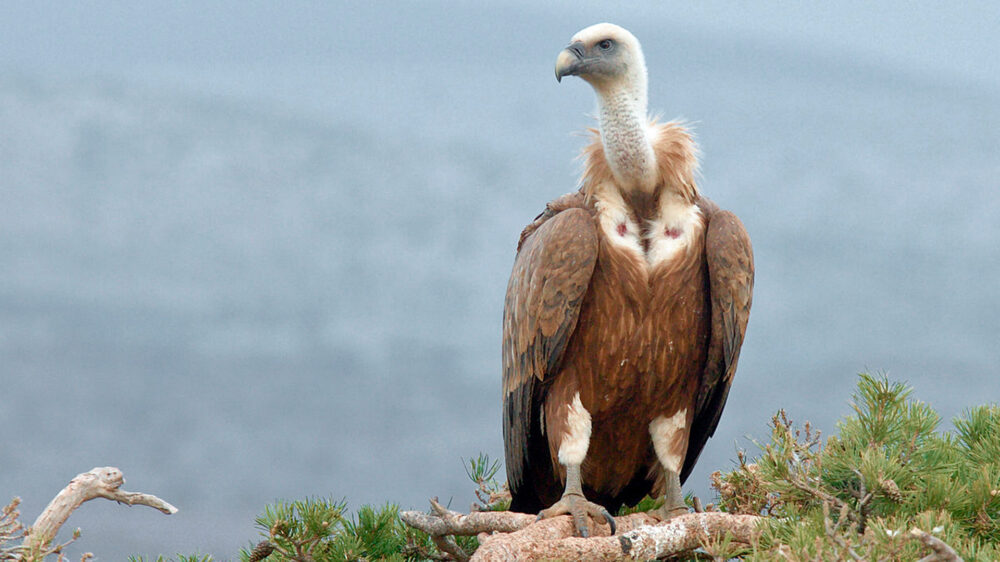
605, 45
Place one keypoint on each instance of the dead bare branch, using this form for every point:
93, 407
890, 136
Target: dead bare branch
100, 482
505, 535
447, 522
640, 542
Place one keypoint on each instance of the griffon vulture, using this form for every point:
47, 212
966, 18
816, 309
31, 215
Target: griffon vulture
625, 311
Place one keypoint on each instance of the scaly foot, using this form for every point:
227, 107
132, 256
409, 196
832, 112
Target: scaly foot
665, 511
673, 499
579, 507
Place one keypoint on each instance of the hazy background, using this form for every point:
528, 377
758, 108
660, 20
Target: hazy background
251, 252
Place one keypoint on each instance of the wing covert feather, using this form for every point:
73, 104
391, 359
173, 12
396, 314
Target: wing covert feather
729, 255
550, 277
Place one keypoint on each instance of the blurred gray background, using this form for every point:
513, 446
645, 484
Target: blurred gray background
251, 252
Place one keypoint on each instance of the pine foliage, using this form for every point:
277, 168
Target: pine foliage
889, 470
857, 496
321, 530
492, 495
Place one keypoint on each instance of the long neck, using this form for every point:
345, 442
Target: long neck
624, 132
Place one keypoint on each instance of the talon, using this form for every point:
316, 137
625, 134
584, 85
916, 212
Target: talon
578, 508
610, 520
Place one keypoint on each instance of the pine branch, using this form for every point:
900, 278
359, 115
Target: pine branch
942, 552
832, 530
448, 545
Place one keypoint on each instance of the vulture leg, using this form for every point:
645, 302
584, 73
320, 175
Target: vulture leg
575, 504
570, 424
673, 500
670, 441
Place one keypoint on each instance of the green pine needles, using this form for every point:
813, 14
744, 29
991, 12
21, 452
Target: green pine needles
321, 530
492, 495
889, 486
887, 472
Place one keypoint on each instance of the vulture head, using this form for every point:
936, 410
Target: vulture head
605, 55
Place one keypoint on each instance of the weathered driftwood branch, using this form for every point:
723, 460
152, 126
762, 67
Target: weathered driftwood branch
447, 522
643, 542
508, 536
102, 482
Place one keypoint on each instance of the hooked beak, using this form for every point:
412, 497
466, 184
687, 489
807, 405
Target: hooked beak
569, 61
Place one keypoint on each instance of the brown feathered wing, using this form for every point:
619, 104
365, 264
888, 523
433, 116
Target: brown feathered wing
552, 270
730, 269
